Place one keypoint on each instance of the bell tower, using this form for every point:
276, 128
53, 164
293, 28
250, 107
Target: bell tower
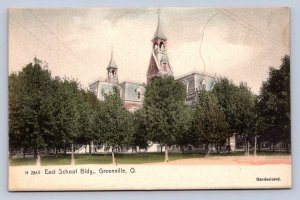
159, 62
112, 70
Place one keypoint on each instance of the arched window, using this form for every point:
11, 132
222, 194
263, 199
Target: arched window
161, 44
139, 95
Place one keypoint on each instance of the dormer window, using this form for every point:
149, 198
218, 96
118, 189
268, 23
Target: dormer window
204, 85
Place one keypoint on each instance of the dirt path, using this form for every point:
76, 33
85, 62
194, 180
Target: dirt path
234, 160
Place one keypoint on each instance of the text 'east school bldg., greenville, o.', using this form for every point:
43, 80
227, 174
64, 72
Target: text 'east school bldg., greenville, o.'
132, 93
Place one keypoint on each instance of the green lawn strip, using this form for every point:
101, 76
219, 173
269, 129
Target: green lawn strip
179, 156
55, 160
273, 153
233, 153
142, 158
22, 161
93, 159
138, 158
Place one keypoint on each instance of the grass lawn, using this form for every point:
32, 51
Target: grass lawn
22, 161
92, 159
81, 159
139, 158
56, 160
273, 153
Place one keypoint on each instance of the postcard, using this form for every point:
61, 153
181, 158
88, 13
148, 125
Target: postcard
149, 98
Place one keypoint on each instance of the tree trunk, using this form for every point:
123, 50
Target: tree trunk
113, 156
35, 153
182, 149
9, 153
255, 145
90, 149
287, 147
245, 148
273, 149
72, 155
218, 149
161, 147
65, 150
228, 147
38, 160
207, 148
55, 151
248, 148
24, 154
166, 153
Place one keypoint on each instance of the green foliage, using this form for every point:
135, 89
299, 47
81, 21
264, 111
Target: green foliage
87, 104
185, 134
140, 136
238, 105
30, 117
67, 113
46, 112
273, 104
163, 107
114, 123
246, 115
226, 92
209, 125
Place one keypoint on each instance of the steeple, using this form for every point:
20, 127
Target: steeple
159, 62
112, 70
159, 33
112, 61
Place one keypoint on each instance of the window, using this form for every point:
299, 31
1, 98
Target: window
139, 95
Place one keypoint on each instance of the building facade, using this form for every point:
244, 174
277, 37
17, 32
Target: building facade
131, 93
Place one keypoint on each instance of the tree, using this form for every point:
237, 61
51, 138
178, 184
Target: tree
226, 91
15, 127
274, 105
87, 105
238, 105
140, 136
246, 115
185, 134
209, 126
114, 123
163, 103
31, 116
48, 113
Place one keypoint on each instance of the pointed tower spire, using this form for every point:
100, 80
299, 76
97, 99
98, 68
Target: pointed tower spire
159, 62
159, 33
158, 16
112, 69
112, 61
